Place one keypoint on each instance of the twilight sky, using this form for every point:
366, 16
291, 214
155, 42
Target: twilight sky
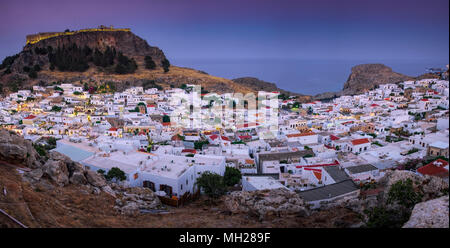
238, 29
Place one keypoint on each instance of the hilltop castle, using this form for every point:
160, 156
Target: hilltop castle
34, 38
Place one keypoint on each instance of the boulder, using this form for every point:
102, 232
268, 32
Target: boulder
57, 171
35, 174
266, 203
95, 179
78, 178
17, 150
109, 190
430, 214
131, 200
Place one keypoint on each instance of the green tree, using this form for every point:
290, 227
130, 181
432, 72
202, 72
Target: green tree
56, 108
166, 118
212, 184
115, 173
165, 64
232, 176
149, 63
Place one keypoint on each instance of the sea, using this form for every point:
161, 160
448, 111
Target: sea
308, 77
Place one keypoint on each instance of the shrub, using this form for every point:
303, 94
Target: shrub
32, 74
232, 176
115, 173
40, 149
381, 217
403, 193
101, 172
212, 184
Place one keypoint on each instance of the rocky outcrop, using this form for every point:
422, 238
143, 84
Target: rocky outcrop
430, 214
16, 150
126, 42
430, 187
63, 171
131, 201
366, 76
266, 203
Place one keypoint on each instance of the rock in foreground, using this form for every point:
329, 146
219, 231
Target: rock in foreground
430, 214
265, 203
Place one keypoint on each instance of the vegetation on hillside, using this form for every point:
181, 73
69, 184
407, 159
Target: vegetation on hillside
212, 184
77, 59
149, 63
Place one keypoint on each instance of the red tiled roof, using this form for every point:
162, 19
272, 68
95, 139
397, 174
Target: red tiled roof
30, 117
424, 99
213, 137
113, 129
189, 150
435, 168
360, 141
225, 138
151, 105
318, 175
374, 105
332, 137
166, 123
245, 137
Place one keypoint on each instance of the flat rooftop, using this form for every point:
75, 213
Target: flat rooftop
261, 183
170, 166
74, 151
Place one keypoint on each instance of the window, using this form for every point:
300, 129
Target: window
181, 186
148, 184
187, 182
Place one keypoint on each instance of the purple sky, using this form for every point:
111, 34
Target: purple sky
236, 29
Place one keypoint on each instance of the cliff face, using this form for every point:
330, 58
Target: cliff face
125, 42
364, 77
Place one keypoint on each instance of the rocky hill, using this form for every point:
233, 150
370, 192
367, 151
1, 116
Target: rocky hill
93, 57
365, 77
